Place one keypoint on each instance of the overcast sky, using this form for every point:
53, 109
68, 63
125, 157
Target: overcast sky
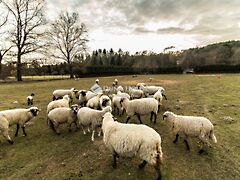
137, 25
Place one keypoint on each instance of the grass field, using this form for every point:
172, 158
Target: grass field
44, 155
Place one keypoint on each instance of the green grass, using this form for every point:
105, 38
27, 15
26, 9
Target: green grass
44, 155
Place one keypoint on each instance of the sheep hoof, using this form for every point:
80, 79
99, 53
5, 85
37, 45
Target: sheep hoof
200, 151
58, 133
10, 141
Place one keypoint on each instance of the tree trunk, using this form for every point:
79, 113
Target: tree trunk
19, 68
0, 69
71, 71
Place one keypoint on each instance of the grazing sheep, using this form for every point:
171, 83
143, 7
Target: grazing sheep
65, 102
62, 115
59, 93
139, 107
132, 140
87, 116
191, 126
16, 116
136, 93
150, 90
105, 101
30, 99
94, 102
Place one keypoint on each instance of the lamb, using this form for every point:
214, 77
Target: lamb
104, 101
87, 116
16, 116
136, 93
65, 102
139, 107
59, 93
94, 102
62, 115
191, 126
132, 140
30, 99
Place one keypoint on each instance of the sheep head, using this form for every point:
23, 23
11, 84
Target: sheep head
34, 111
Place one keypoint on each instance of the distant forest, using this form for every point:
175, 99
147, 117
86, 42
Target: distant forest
219, 57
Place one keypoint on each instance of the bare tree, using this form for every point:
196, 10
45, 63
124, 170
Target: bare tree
3, 50
68, 38
28, 19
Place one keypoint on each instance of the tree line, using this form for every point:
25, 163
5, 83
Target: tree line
29, 39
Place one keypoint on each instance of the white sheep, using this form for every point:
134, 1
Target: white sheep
116, 106
140, 84
105, 101
150, 90
139, 107
135, 93
132, 140
62, 115
159, 97
59, 93
191, 126
120, 88
123, 95
65, 102
84, 96
30, 99
16, 116
94, 102
87, 116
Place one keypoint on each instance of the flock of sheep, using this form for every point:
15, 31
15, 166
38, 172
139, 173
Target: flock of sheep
96, 112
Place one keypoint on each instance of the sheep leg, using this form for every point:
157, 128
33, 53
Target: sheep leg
142, 165
187, 145
176, 139
139, 118
69, 127
24, 132
76, 125
155, 118
115, 155
158, 108
84, 132
6, 135
128, 119
99, 133
17, 130
93, 135
151, 116
158, 170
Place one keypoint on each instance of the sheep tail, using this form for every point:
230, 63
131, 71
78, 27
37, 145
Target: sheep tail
51, 125
213, 137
